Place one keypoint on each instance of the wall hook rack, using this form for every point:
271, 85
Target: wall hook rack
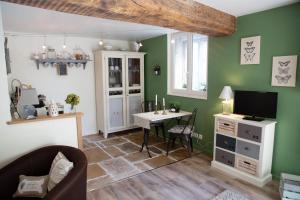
68, 62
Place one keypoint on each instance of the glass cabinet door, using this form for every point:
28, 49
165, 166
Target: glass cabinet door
115, 69
134, 72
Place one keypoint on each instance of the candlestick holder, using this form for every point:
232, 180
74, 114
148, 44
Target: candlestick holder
164, 112
155, 112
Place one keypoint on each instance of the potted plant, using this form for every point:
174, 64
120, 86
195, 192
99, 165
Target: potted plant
175, 107
73, 100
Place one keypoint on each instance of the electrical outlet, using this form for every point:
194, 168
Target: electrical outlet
197, 135
200, 136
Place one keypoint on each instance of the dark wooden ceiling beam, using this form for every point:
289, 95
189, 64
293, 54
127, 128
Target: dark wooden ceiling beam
183, 15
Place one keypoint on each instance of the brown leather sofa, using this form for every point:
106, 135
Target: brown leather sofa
38, 163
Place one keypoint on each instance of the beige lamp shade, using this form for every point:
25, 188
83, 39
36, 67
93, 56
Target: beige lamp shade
226, 93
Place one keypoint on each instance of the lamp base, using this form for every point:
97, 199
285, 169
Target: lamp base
226, 108
226, 113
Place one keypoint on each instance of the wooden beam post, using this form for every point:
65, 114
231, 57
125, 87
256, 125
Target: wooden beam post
183, 15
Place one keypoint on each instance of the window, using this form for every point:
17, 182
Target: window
187, 65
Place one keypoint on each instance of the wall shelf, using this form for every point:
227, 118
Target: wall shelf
60, 61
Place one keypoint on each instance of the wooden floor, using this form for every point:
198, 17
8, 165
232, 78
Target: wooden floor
192, 178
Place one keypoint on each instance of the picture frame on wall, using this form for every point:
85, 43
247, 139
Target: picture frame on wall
284, 71
250, 50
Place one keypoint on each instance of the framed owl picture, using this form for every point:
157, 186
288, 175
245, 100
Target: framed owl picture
284, 71
250, 50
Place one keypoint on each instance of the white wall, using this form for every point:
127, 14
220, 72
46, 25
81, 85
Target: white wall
48, 82
16, 140
19, 139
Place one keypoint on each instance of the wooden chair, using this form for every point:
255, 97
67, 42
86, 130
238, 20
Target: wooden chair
149, 106
183, 132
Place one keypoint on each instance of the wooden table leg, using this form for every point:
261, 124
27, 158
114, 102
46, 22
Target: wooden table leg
145, 143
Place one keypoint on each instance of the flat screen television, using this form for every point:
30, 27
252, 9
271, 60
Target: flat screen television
255, 105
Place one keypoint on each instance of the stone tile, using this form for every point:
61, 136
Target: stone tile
99, 182
155, 140
139, 138
136, 138
113, 141
155, 150
96, 154
158, 161
128, 147
180, 154
137, 156
99, 144
87, 144
143, 167
163, 146
94, 171
113, 151
117, 166
94, 137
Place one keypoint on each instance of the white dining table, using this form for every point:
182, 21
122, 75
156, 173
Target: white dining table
145, 120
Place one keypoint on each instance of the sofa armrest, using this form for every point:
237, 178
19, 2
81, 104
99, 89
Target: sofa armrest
9, 176
75, 181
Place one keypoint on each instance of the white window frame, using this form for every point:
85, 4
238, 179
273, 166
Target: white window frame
188, 92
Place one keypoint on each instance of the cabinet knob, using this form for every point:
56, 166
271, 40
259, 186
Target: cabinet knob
255, 137
246, 148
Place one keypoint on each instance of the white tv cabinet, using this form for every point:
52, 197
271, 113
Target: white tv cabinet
119, 89
244, 148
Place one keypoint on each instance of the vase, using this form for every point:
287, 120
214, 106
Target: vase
73, 109
53, 109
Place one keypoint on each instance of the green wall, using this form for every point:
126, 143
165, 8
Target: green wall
279, 30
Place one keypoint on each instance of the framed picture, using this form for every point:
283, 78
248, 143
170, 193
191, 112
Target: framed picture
284, 71
250, 50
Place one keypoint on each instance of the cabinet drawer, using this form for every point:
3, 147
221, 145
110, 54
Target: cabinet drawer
246, 165
249, 132
226, 126
247, 149
226, 142
225, 157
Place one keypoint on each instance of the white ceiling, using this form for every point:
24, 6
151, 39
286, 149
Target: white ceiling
25, 19
244, 7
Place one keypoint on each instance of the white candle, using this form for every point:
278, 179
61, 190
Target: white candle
164, 102
156, 99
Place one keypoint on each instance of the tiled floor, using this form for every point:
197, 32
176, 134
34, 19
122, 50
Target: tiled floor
118, 157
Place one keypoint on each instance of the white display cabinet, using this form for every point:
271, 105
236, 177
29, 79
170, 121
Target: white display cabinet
119, 81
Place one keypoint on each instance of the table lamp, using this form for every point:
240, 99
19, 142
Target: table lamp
226, 95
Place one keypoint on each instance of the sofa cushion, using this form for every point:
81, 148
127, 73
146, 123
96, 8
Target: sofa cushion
32, 186
59, 169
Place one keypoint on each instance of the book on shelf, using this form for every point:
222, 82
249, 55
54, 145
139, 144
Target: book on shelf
290, 195
290, 186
